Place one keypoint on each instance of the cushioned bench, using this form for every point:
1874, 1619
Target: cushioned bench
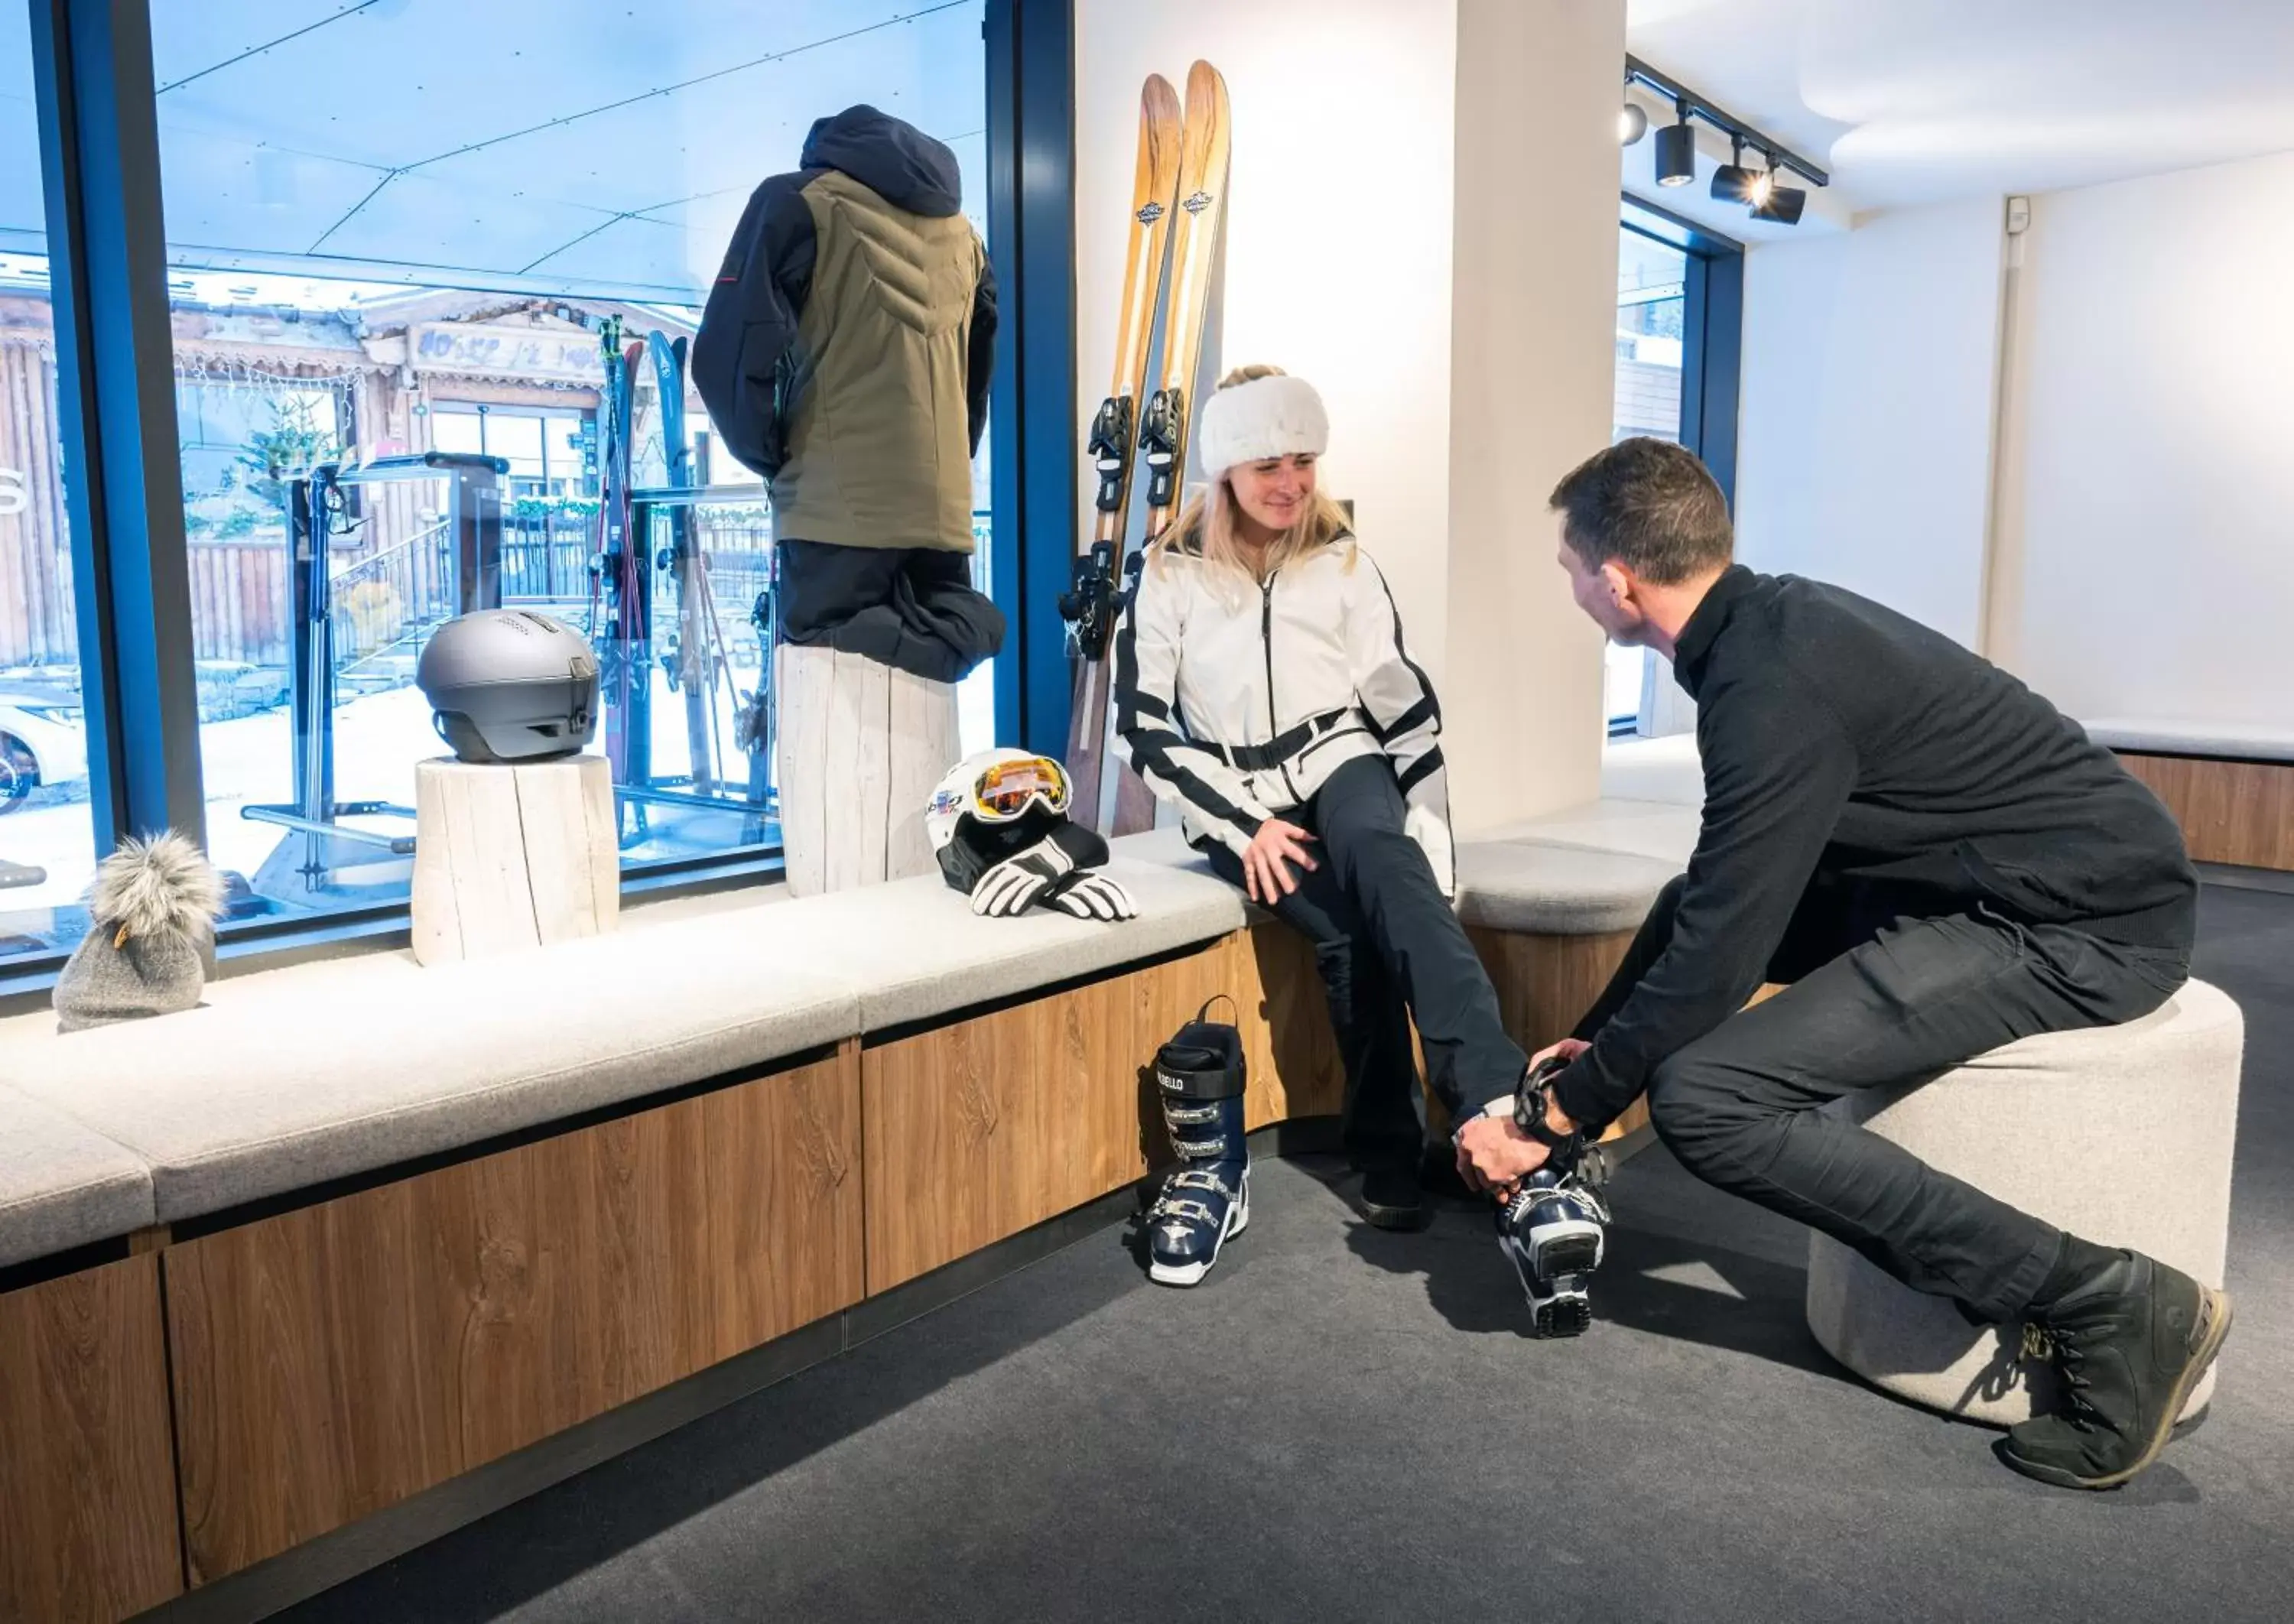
62, 1185
2042, 1124
298, 1076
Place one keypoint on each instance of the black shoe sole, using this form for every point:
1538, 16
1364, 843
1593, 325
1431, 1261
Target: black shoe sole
1399, 1218
2214, 1329
1565, 1317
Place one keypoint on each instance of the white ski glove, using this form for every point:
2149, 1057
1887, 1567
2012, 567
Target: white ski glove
1431, 831
1013, 886
1045, 872
1091, 894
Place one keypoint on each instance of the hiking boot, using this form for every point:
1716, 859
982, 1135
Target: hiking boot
2130, 1341
1392, 1200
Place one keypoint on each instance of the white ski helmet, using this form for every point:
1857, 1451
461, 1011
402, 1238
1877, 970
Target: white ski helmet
995, 786
993, 806
508, 684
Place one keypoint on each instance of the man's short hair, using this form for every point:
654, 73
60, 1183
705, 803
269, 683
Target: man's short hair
1651, 505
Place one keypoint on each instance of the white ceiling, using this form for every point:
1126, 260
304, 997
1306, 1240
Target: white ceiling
1910, 102
536, 145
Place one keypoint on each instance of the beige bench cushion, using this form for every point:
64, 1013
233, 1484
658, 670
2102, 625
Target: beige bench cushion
2041, 1124
301, 1079
62, 1185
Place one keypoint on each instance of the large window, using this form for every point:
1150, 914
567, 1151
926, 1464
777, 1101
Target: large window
47, 839
1677, 333
485, 231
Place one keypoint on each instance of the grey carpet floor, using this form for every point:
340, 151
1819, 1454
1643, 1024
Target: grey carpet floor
1342, 1424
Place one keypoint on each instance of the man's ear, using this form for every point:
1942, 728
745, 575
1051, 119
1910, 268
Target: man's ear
1620, 582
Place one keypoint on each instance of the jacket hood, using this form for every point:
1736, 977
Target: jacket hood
891, 157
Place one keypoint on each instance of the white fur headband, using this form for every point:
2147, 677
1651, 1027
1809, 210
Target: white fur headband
1267, 416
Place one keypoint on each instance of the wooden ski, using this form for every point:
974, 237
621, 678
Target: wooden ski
1169, 423
1090, 604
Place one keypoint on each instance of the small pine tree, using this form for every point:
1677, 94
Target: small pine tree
293, 445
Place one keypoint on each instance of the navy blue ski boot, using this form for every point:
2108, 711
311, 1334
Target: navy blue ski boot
1199, 1073
1553, 1229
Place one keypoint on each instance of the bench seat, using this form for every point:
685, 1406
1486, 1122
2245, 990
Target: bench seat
62, 1184
2169, 737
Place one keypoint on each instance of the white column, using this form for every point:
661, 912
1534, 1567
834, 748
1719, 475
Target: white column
1532, 374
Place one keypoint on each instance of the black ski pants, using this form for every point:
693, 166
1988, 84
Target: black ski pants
1390, 947
1884, 993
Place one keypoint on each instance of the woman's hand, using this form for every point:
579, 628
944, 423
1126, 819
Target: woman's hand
1266, 860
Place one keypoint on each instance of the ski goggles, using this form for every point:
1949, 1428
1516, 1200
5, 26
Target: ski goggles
1008, 789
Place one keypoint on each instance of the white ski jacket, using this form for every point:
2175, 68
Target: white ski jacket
1238, 702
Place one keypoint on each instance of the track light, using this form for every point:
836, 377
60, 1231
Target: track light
1676, 150
1732, 183
1771, 200
1675, 161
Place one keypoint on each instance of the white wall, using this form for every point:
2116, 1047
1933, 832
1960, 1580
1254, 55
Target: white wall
1338, 235
1356, 229
2147, 558
1870, 382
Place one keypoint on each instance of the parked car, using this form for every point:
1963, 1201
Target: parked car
42, 741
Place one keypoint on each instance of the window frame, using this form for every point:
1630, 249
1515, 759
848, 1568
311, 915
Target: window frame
99, 154
1713, 333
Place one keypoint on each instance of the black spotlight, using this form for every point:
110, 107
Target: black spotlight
1773, 201
1676, 152
1732, 183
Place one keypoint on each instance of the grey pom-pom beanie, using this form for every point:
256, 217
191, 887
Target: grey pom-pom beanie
153, 905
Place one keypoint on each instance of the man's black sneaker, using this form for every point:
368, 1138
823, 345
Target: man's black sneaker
2130, 1341
1391, 1198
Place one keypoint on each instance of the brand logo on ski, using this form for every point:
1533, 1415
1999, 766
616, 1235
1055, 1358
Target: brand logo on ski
1150, 213
1195, 204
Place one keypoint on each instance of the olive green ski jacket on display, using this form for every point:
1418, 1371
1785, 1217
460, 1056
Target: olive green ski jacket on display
846, 348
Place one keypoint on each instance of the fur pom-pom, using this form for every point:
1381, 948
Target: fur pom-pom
162, 884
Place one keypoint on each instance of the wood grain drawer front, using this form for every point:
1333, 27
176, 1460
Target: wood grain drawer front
2238, 812
977, 1130
87, 1492
1545, 984
331, 1362
1295, 1069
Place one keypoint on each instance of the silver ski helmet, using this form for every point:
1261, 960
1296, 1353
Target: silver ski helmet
509, 685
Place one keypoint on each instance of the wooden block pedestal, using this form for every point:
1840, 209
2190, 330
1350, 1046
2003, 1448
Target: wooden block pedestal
512, 856
862, 747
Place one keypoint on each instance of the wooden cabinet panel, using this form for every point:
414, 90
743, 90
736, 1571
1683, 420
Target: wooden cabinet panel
2231, 811
87, 1495
977, 1129
332, 1361
1295, 1070
1545, 984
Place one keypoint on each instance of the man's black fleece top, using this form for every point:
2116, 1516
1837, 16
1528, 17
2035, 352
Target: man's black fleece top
1840, 735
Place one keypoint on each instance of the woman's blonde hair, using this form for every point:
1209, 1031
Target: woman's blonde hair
1213, 516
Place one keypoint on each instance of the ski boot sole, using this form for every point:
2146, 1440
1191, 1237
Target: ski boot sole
1569, 1314
2214, 1329
1565, 1254
1238, 1219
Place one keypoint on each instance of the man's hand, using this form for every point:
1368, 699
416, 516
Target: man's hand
1266, 861
1495, 1156
1568, 1049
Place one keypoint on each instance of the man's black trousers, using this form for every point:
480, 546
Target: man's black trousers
1388, 945
1884, 992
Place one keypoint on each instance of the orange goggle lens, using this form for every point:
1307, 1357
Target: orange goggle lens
1005, 789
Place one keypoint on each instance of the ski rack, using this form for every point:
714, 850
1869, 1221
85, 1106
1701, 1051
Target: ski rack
642, 787
474, 517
